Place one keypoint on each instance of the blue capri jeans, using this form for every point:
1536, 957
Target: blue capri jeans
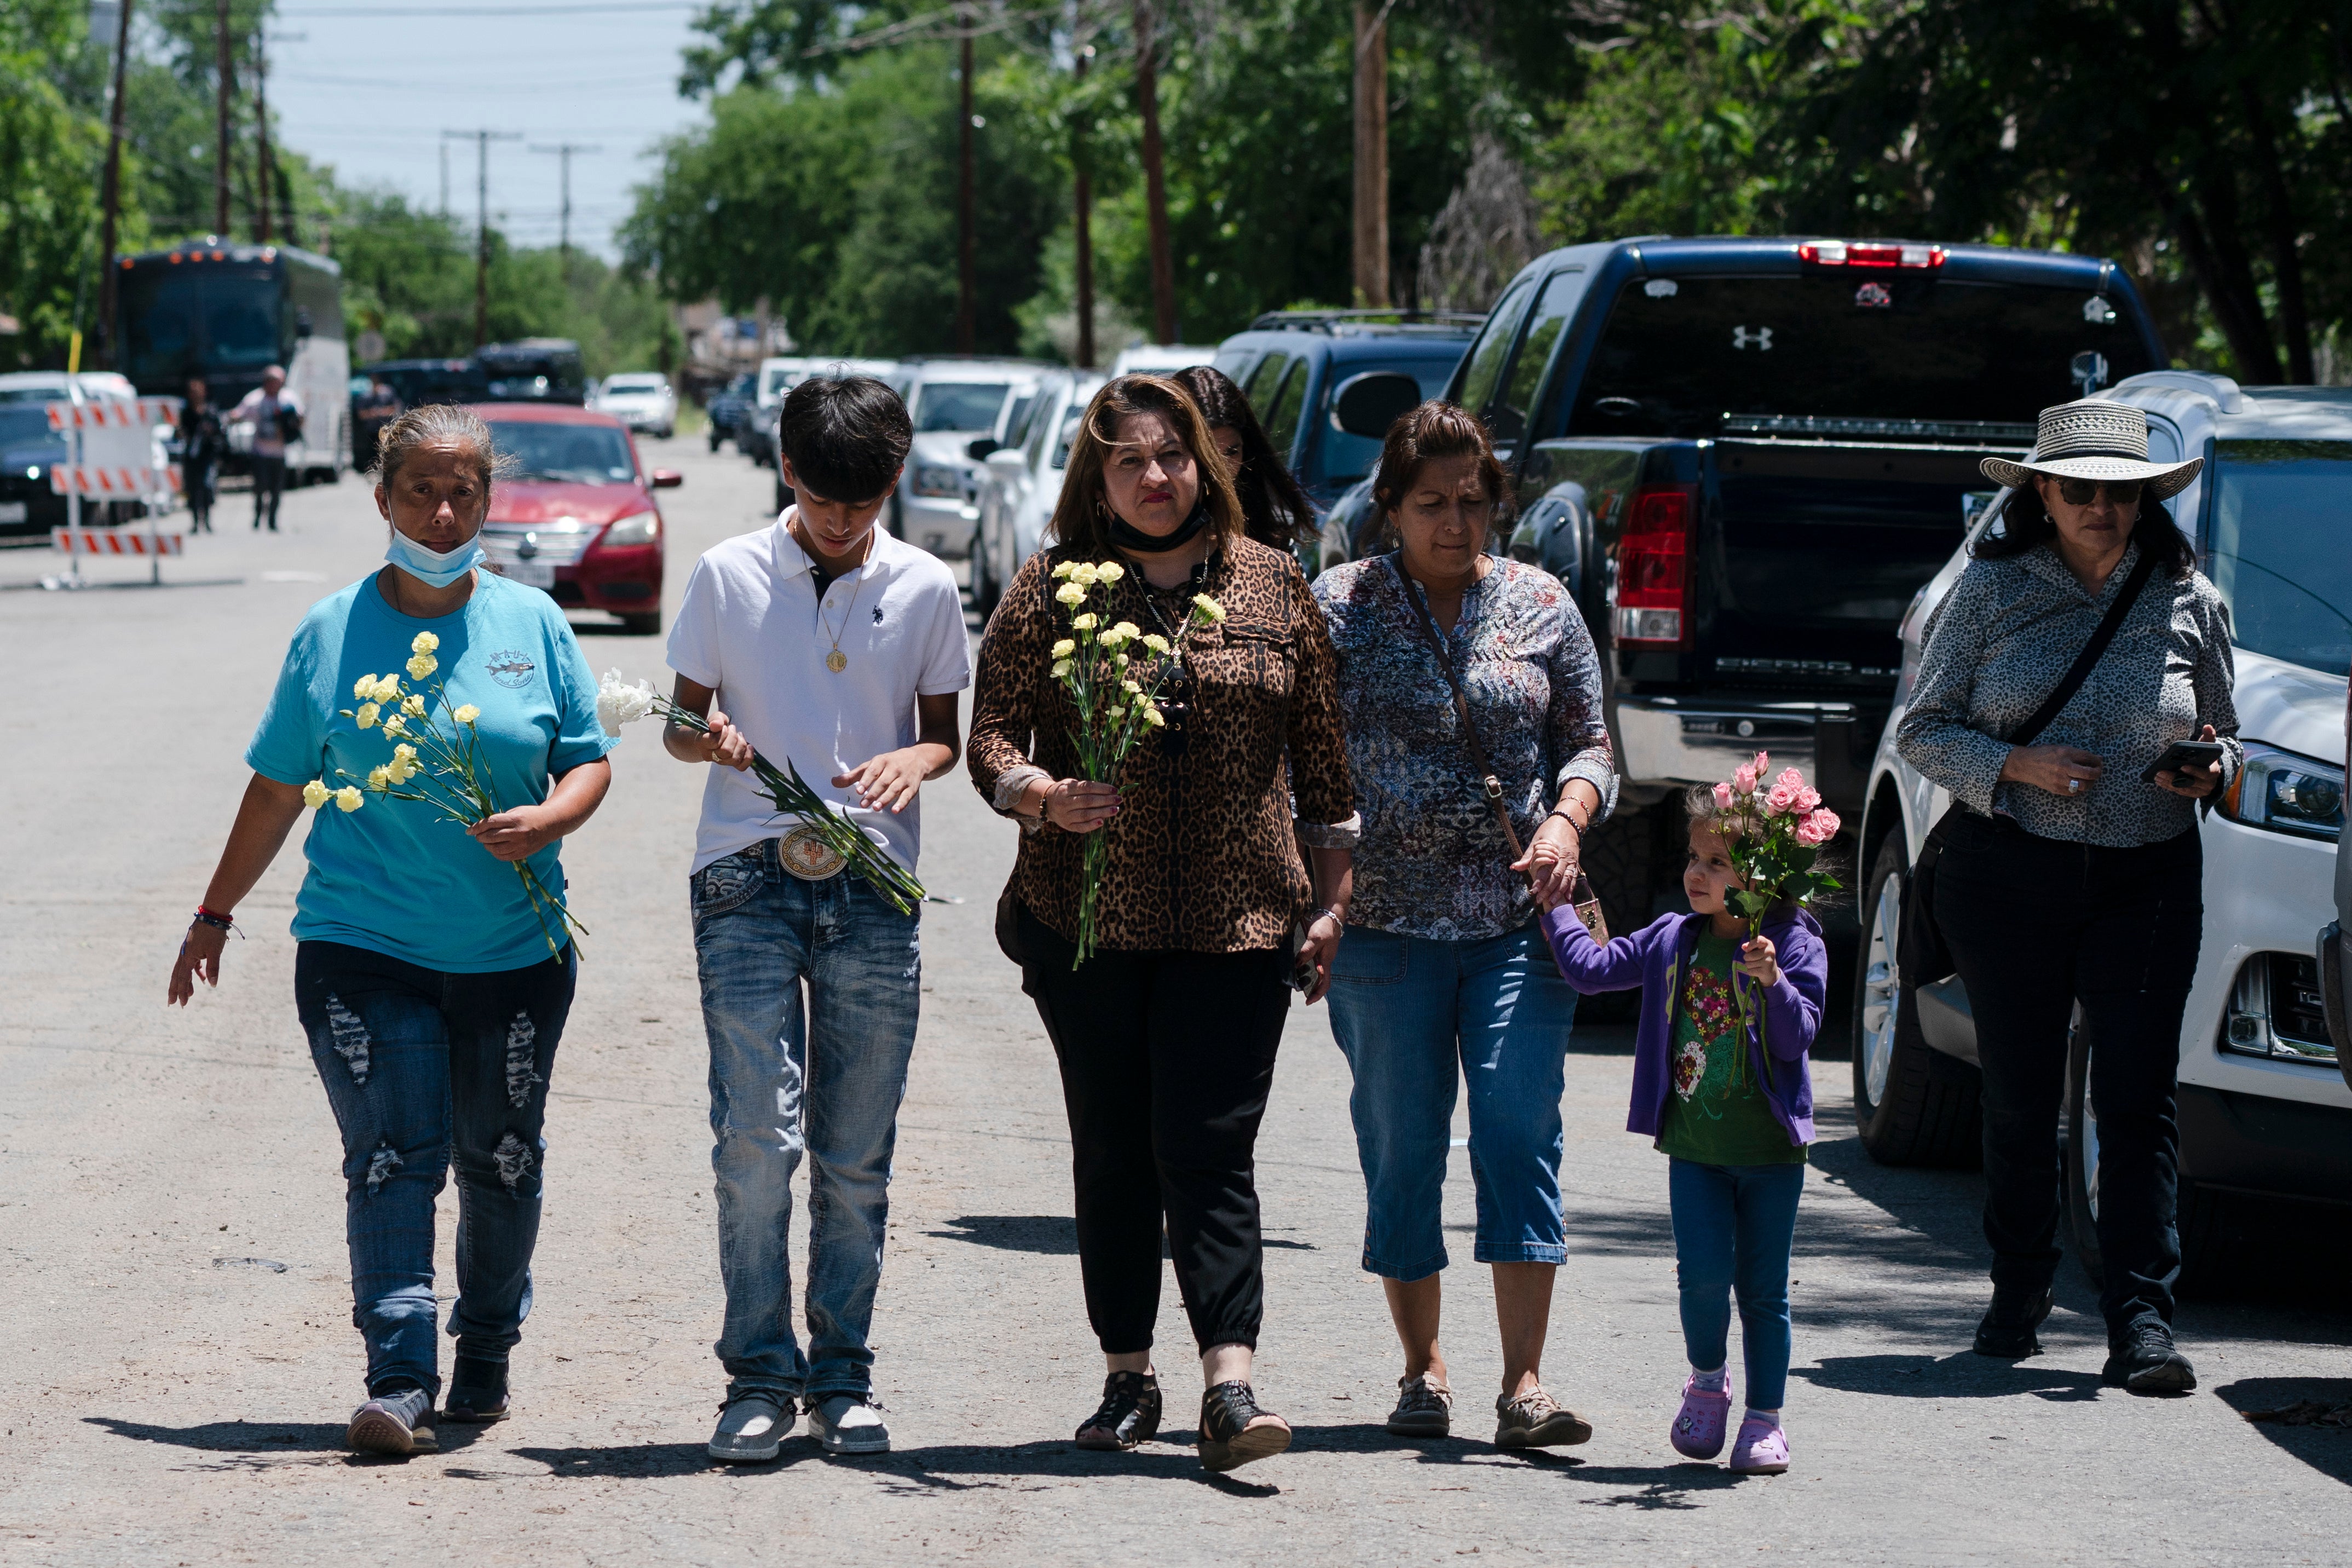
1405, 1010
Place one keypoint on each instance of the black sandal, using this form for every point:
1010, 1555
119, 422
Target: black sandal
1129, 1414
1228, 1441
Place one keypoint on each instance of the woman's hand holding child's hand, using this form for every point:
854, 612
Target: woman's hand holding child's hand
1761, 961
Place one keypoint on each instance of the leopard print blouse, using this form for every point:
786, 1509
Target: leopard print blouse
1204, 855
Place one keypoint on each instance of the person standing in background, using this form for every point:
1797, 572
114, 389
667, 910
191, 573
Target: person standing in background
1275, 510
272, 413
200, 452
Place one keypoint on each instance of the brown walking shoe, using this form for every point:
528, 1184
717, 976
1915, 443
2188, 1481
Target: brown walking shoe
1535, 1420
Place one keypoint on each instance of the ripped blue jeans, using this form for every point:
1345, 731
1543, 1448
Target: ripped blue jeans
422, 1067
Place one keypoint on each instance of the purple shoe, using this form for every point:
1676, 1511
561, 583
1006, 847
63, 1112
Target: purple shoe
1760, 1449
1699, 1425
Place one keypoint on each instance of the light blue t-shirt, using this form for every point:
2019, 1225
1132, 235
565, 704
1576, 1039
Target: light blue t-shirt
397, 876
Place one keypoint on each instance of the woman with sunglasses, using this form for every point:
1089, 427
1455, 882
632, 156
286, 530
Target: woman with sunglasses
1207, 914
2073, 872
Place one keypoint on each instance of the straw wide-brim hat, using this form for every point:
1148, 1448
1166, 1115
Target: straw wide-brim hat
2094, 439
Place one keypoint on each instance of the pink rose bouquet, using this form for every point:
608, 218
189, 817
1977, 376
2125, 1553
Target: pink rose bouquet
1775, 832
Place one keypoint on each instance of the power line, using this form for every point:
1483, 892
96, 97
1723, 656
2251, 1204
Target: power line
482, 140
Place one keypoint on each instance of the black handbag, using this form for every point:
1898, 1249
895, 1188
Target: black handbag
1922, 957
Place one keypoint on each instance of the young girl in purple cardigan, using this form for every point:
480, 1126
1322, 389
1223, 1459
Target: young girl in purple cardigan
1732, 1109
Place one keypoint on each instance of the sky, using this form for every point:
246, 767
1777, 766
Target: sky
369, 88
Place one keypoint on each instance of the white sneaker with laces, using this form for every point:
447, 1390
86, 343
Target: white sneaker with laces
752, 1428
846, 1424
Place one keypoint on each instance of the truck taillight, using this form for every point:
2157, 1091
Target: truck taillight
1868, 253
1654, 583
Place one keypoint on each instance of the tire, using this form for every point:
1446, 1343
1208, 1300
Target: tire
1911, 1104
2205, 1218
1619, 861
715, 439
986, 589
645, 625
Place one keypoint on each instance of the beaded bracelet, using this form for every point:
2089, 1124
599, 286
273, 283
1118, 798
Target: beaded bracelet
210, 918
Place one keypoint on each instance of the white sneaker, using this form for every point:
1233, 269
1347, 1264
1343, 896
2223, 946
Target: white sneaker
752, 1428
846, 1424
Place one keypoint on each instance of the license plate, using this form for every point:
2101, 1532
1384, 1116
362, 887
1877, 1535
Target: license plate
11, 511
529, 574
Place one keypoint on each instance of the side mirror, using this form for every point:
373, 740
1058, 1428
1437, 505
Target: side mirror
979, 448
668, 479
1369, 403
302, 328
1007, 461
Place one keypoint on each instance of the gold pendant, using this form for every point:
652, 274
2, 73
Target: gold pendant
836, 661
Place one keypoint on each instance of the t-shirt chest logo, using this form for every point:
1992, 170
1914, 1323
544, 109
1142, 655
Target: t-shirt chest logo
510, 668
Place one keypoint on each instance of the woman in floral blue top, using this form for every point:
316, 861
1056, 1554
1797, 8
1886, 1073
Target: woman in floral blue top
1443, 961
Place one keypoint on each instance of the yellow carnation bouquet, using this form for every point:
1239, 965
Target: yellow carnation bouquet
1114, 675
441, 766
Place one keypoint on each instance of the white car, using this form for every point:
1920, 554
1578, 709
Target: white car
953, 402
642, 400
1161, 359
1023, 482
756, 437
2265, 1111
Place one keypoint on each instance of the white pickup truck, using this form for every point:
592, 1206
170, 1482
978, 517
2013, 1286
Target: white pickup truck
2265, 1095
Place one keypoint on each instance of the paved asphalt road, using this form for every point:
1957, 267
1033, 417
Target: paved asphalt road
179, 1363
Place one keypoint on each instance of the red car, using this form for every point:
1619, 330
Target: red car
576, 514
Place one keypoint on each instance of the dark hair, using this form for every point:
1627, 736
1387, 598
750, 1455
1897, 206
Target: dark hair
847, 437
1275, 510
1082, 518
1422, 435
2025, 523
435, 425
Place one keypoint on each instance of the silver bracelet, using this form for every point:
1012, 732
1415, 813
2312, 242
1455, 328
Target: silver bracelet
1339, 919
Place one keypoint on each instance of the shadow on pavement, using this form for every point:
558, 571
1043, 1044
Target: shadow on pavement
263, 1444
1051, 1235
2327, 1450
1962, 1375
948, 1468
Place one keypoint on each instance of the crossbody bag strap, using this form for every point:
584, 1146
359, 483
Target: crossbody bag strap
2080, 671
1489, 784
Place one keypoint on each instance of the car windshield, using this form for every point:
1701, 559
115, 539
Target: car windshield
635, 383
959, 404
1706, 356
22, 424
2281, 552
568, 453
214, 318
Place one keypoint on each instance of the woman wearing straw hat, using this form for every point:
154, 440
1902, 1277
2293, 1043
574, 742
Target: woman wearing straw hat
2079, 646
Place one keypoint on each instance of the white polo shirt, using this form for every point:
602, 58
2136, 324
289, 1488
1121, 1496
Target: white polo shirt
752, 629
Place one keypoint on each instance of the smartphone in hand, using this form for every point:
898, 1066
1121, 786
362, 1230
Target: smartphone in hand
2180, 757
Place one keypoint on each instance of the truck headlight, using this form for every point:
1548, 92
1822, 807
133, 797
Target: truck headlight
643, 528
2286, 793
938, 480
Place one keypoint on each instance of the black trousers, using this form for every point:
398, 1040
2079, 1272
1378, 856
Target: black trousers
269, 483
1166, 1060
2035, 925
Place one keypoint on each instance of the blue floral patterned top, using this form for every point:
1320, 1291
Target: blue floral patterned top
1432, 861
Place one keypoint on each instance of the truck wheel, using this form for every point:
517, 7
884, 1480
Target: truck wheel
645, 625
2205, 1218
986, 589
1913, 1105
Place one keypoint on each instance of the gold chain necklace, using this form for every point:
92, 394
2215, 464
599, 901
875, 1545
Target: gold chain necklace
837, 661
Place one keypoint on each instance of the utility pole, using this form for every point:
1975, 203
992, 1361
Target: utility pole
265, 197
1082, 219
110, 195
482, 140
967, 325
1155, 179
1371, 213
445, 178
220, 164
563, 151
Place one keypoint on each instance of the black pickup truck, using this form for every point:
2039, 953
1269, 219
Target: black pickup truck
1745, 457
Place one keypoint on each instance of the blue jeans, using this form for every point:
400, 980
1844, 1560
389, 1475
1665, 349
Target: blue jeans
825, 1076
1733, 1228
1405, 1010
422, 1066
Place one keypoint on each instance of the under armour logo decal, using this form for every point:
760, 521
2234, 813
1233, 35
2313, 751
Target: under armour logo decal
1759, 338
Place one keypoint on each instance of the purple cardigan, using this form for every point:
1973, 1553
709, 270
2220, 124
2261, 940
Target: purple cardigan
1654, 958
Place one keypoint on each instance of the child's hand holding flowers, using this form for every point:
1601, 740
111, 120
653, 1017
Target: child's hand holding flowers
1760, 961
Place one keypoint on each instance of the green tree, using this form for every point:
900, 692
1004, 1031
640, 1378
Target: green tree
52, 142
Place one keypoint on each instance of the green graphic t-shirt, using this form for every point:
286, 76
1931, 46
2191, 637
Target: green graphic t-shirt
1717, 1114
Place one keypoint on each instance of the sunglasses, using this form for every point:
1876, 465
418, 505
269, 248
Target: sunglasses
2083, 492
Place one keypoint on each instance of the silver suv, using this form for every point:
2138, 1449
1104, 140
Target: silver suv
2264, 1109
952, 401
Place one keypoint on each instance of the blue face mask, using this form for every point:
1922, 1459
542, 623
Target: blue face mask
431, 567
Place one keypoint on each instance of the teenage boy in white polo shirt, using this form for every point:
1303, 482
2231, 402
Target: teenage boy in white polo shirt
823, 641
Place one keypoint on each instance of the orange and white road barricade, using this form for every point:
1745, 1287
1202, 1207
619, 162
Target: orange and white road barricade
116, 541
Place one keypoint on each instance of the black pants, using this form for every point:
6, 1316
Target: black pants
197, 478
268, 480
1166, 1059
2035, 925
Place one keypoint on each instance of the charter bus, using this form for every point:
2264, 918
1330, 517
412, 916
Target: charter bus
225, 311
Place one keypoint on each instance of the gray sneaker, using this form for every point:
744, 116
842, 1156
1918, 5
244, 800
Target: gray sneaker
847, 1424
1424, 1409
752, 1428
397, 1423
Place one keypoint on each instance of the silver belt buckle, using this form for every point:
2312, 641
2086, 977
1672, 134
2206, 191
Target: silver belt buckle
806, 855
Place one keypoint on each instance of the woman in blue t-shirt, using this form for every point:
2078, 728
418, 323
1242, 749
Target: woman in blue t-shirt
433, 986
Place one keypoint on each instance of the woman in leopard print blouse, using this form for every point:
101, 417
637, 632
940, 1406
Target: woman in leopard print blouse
1166, 1036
